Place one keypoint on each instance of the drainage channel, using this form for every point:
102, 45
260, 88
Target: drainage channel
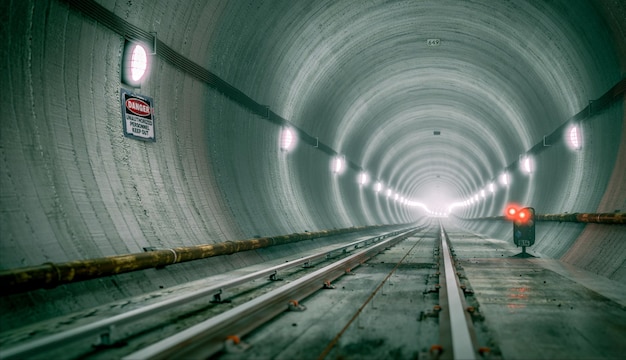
226, 330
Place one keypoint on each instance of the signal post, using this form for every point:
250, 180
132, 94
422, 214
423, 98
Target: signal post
523, 227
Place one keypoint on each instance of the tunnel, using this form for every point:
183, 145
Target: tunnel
265, 118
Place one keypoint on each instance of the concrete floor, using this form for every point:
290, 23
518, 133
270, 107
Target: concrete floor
530, 309
542, 308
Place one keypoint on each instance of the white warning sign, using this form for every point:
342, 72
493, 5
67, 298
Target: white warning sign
137, 116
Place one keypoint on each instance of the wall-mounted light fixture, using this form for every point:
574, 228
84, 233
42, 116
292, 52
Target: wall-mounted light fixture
363, 178
134, 64
287, 139
504, 179
337, 164
574, 137
378, 187
526, 164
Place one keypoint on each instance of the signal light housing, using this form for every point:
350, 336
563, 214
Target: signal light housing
523, 224
524, 227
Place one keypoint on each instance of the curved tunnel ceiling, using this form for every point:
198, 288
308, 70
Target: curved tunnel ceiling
361, 76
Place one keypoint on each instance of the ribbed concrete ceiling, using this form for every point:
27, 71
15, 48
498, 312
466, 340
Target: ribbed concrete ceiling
360, 76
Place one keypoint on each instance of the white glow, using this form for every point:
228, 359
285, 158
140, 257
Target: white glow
388, 192
574, 137
363, 178
504, 179
396, 197
378, 187
492, 187
138, 62
526, 164
287, 139
337, 165
482, 193
456, 205
418, 204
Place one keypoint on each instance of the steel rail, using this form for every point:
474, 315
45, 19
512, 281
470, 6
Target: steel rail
208, 337
103, 328
462, 344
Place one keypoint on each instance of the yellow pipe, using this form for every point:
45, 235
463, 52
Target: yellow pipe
50, 275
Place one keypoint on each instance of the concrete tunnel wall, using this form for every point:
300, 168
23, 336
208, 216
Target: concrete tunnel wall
358, 75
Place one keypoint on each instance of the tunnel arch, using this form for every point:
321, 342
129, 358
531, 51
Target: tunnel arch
347, 73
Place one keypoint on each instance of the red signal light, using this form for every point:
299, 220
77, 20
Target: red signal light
523, 216
511, 212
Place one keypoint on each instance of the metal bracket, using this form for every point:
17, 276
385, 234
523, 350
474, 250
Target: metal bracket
154, 42
295, 306
328, 285
307, 265
274, 278
466, 291
432, 290
217, 299
234, 345
107, 339
544, 142
430, 313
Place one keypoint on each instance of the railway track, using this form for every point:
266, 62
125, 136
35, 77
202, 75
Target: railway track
410, 297
110, 336
257, 308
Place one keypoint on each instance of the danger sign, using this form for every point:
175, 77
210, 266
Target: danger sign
137, 116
